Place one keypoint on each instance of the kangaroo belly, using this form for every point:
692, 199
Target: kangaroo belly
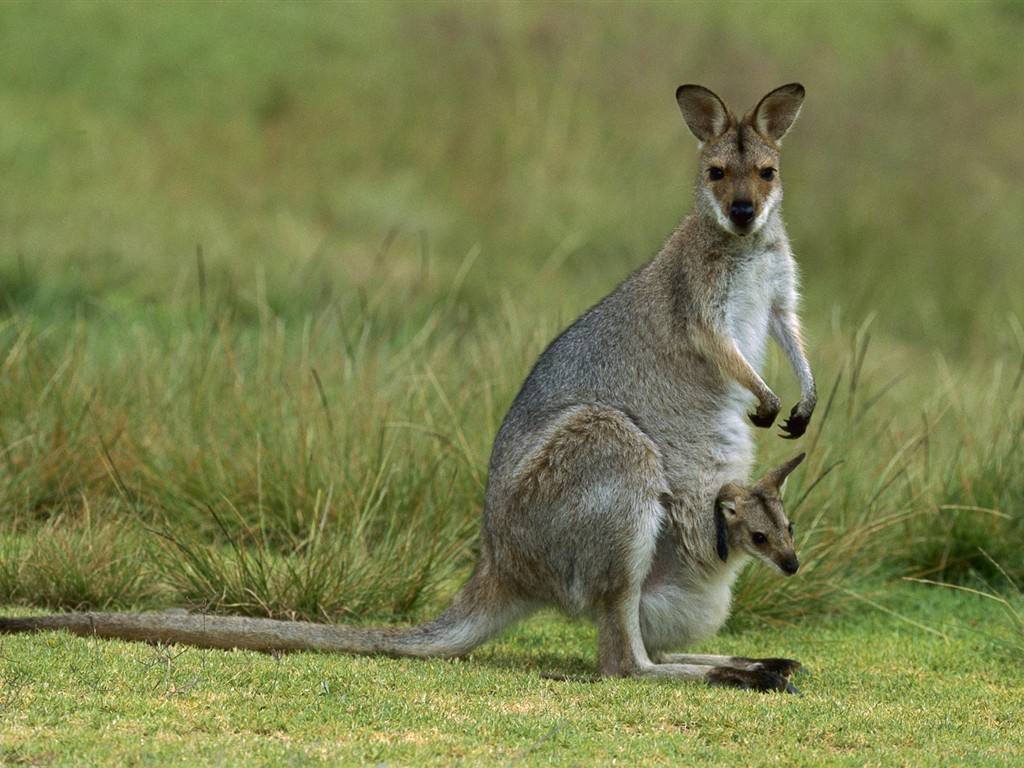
675, 615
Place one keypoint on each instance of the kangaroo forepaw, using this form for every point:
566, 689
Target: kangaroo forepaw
749, 679
762, 420
767, 411
795, 425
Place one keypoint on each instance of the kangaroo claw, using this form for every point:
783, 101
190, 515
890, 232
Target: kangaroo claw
794, 426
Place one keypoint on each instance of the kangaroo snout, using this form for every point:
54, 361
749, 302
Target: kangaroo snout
741, 213
790, 565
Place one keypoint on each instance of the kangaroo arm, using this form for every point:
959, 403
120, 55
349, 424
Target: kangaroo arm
785, 329
721, 350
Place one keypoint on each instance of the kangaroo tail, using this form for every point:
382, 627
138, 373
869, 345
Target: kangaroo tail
473, 617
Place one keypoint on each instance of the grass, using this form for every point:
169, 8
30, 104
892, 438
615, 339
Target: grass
270, 276
881, 690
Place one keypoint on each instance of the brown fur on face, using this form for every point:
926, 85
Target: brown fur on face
754, 521
739, 172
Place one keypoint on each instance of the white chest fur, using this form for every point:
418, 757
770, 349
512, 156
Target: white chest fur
749, 302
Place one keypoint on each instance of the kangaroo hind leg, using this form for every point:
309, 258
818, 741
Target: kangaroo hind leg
769, 674
781, 666
599, 483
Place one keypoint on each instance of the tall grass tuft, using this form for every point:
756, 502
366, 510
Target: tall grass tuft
975, 480
320, 467
81, 560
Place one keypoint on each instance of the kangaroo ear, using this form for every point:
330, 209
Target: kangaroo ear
776, 112
705, 114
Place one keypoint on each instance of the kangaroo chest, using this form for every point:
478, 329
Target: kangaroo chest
697, 405
747, 304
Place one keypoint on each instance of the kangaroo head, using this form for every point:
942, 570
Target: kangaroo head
753, 520
739, 183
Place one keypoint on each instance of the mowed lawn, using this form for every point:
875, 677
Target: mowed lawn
921, 683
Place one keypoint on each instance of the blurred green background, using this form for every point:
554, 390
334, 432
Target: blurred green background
309, 138
274, 259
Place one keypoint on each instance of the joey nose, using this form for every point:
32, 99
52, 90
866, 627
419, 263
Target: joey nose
790, 565
741, 212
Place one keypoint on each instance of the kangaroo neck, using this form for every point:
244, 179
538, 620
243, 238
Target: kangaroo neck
699, 261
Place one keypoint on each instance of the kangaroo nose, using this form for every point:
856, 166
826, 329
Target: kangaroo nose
790, 566
741, 213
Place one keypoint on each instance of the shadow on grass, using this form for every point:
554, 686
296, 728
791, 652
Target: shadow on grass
572, 666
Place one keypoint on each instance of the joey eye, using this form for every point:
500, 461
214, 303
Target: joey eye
759, 539
715, 173
767, 174
790, 529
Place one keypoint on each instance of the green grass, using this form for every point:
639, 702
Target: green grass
270, 275
881, 689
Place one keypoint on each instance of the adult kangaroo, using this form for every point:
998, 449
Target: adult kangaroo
618, 483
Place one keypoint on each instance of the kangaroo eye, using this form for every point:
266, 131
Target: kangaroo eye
790, 529
715, 173
760, 539
767, 174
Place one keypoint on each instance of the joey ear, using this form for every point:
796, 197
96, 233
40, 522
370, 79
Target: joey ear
776, 112
725, 504
776, 479
705, 114
721, 532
